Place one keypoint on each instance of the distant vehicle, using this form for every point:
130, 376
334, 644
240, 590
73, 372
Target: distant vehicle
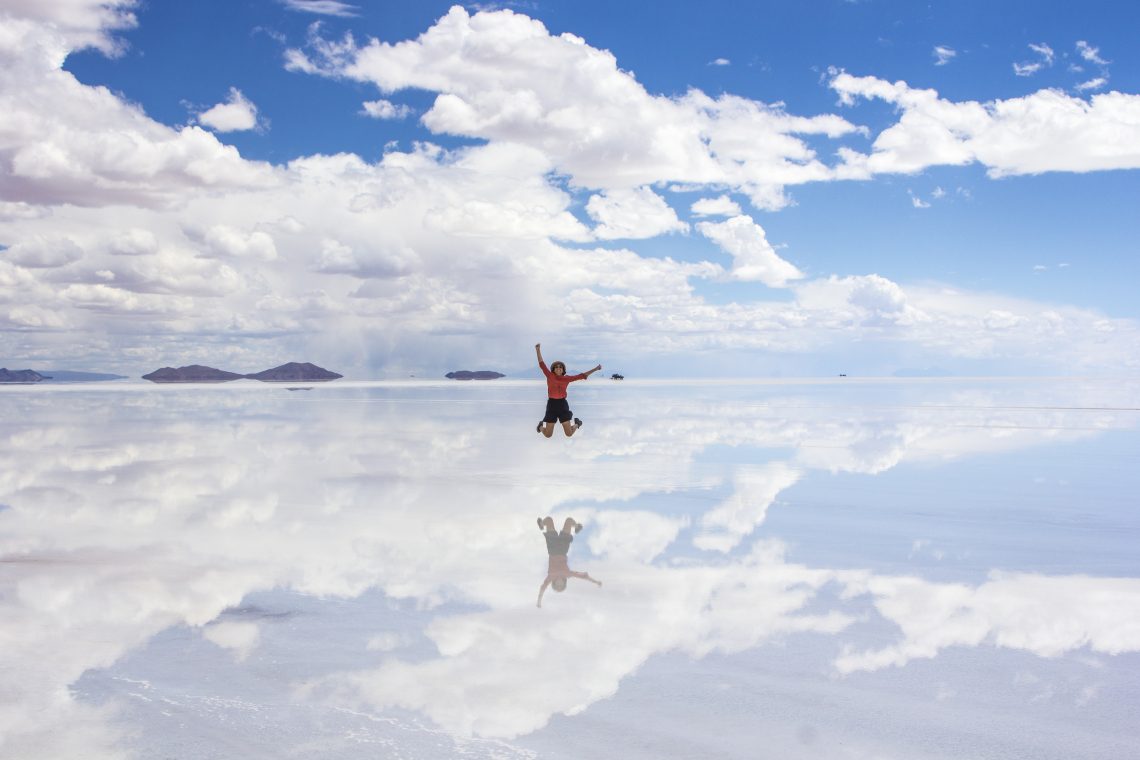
616, 376
843, 374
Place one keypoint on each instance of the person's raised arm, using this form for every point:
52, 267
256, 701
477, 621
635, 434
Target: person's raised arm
589, 372
542, 590
538, 353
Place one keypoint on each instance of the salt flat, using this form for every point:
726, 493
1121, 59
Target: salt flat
824, 569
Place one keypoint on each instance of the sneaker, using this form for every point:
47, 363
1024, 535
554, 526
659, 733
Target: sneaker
577, 527
577, 423
540, 527
539, 428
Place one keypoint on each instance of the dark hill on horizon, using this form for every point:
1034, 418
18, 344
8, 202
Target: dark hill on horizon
294, 371
21, 376
481, 374
287, 373
193, 373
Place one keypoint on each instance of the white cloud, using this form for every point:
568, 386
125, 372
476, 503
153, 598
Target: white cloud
108, 212
754, 489
720, 62
633, 535
918, 202
1045, 615
1044, 51
113, 534
70, 143
225, 241
323, 7
240, 637
1045, 131
1090, 53
1030, 68
943, 55
754, 258
385, 109
572, 102
719, 206
235, 115
637, 213
44, 252
1092, 84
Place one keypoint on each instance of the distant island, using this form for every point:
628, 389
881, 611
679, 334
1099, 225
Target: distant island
466, 374
294, 371
194, 373
21, 376
287, 373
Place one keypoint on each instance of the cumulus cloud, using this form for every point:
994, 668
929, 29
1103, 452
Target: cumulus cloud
720, 62
385, 109
719, 206
573, 102
636, 213
1045, 131
70, 143
236, 114
754, 258
1047, 616
106, 212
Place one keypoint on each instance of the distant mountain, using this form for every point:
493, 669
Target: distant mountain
286, 373
294, 372
466, 374
67, 376
195, 373
20, 376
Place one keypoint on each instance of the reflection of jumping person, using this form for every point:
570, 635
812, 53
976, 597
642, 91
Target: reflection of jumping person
557, 407
558, 546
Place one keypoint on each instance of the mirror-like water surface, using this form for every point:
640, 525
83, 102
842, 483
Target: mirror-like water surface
907, 569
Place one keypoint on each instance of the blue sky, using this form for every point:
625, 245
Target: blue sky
389, 188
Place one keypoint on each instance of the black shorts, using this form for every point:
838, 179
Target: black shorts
557, 410
558, 544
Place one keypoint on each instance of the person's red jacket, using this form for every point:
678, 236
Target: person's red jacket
555, 385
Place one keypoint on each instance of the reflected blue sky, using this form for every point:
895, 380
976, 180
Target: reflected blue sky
834, 569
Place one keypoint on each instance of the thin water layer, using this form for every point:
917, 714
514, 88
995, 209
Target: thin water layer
912, 569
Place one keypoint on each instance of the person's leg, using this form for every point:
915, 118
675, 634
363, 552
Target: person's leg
547, 524
570, 525
546, 427
568, 428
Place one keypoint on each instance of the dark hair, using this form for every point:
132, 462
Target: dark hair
558, 584
558, 364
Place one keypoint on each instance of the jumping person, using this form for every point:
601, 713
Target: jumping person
558, 547
557, 407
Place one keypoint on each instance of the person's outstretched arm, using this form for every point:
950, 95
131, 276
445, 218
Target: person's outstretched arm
589, 372
585, 577
542, 590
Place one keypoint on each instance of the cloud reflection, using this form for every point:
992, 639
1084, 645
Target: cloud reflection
136, 511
